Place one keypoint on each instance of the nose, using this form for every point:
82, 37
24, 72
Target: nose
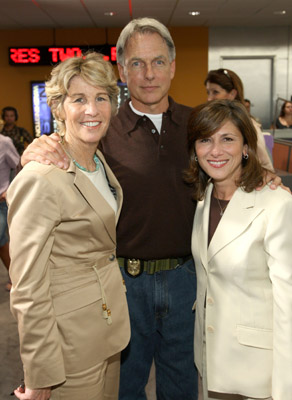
149, 73
216, 149
210, 96
92, 108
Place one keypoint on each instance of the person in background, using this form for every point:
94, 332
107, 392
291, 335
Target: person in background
226, 84
21, 138
241, 243
9, 161
68, 294
284, 121
247, 105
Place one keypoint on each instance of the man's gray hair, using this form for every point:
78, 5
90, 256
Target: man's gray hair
142, 26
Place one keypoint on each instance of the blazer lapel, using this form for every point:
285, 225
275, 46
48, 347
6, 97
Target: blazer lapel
240, 212
202, 225
95, 199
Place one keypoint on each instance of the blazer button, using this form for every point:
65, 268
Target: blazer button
210, 301
112, 257
210, 329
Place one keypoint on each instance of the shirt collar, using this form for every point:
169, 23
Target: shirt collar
133, 119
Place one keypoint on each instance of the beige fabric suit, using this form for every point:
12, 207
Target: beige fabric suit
246, 277
63, 269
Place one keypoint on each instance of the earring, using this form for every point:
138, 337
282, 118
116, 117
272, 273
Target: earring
245, 156
196, 158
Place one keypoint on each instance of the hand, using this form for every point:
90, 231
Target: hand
24, 393
273, 180
46, 150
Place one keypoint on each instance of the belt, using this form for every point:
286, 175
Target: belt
134, 266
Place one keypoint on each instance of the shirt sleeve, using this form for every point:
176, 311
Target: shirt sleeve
11, 155
33, 214
262, 151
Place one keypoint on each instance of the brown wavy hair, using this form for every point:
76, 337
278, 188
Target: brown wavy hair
228, 80
204, 121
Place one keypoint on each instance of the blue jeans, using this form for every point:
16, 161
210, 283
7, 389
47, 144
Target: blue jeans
3, 224
162, 327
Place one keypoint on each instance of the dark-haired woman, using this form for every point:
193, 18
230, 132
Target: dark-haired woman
241, 244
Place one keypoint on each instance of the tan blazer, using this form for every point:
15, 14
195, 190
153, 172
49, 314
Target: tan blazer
68, 294
246, 277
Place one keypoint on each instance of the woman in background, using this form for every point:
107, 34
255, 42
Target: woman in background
68, 294
226, 84
241, 244
284, 121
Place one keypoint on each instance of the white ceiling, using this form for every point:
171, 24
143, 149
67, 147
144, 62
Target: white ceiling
21, 14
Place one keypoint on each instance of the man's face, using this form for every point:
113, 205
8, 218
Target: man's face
147, 72
9, 117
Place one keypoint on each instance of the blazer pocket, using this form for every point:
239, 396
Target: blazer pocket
76, 298
255, 337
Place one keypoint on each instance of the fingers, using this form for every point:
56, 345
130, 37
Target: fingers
46, 150
32, 394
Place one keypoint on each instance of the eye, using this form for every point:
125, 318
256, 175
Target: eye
228, 139
204, 140
159, 63
78, 100
102, 98
137, 64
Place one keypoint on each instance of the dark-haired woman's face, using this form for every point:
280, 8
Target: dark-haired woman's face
220, 155
216, 92
288, 108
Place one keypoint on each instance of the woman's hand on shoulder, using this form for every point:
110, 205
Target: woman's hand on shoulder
32, 394
46, 150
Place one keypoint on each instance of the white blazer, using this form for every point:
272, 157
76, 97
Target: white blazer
246, 277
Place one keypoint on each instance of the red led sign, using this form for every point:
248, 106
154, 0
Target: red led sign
44, 55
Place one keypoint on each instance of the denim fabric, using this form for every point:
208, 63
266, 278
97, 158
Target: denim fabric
162, 327
3, 224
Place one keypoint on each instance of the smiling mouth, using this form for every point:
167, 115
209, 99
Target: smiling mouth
217, 164
90, 124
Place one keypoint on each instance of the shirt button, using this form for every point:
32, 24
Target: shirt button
210, 301
164, 131
112, 257
144, 119
210, 329
162, 147
153, 130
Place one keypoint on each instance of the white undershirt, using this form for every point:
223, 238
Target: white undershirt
155, 118
98, 178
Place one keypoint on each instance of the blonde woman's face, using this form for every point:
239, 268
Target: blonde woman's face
86, 112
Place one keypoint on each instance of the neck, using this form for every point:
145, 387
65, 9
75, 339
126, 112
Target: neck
83, 155
224, 192
9, 127
156, 108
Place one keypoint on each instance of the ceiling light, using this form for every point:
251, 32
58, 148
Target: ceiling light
283, 12
193, 13
109, 13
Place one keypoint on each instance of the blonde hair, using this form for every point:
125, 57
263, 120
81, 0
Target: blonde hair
93, 69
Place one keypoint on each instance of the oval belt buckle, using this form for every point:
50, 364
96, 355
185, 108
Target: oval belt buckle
134, 267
